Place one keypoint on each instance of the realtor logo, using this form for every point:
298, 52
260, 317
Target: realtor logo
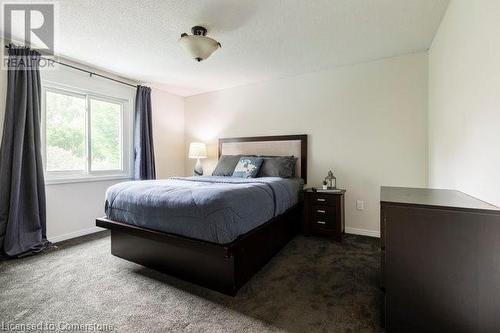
31, 24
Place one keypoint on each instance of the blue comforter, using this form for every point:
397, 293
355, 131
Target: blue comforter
215, 209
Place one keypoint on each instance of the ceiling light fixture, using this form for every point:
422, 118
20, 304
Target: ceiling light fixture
198, 46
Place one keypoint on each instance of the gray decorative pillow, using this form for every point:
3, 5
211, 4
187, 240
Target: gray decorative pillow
248, 167
225, 165
278, 166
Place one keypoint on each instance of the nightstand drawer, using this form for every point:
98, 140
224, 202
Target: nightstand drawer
323, 199
323, 212
319, 223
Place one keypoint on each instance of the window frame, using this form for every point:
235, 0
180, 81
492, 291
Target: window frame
89, 175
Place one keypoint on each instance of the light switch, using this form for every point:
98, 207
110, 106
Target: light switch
360, 204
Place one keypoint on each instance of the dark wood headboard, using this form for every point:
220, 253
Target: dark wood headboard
274, 143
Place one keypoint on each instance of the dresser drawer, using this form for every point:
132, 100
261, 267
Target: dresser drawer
323, 199
382, 270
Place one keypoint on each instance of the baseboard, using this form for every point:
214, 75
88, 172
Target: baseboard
362, 232
75, 234
60, 238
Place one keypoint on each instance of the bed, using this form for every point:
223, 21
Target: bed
213, 231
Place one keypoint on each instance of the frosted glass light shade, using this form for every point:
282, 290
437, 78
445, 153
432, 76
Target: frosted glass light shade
198, 47
197, 150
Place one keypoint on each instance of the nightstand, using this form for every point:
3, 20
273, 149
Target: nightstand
324, 214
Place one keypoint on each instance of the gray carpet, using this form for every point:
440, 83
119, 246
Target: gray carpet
313, 285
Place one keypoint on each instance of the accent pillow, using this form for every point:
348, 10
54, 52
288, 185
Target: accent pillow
248, 167
278, 166
225, 165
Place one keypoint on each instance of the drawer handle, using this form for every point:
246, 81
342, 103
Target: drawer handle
320, 222
320, 211
321, 200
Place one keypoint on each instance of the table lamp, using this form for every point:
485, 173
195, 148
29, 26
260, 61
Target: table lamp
197, 150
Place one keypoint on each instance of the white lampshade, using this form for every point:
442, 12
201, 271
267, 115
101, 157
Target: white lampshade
198, 47
197, 150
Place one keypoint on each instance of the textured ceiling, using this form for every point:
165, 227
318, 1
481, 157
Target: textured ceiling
261, 39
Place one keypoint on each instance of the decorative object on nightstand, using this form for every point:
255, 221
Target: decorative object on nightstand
324, 213
197, 150
329, 184
331, 181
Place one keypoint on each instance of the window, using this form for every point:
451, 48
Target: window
85, 136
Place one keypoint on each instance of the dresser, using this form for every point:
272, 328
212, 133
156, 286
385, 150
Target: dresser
324, 214
440, 261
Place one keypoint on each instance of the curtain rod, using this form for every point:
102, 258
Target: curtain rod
85, 71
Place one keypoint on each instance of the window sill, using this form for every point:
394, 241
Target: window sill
92, 179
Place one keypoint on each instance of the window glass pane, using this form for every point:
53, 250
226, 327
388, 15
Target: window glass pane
105, 135
65, 132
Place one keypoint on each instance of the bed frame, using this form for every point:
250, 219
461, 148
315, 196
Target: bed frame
221, 267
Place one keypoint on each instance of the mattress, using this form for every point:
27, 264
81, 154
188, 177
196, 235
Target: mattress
214, 209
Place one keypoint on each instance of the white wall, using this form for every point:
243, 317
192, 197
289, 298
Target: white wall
72, 208
464, 100
168, 133
367, 122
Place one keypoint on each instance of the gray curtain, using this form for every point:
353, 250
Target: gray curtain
22, 186
144, 155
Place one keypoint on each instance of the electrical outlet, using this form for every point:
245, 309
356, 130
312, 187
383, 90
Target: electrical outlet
360, 204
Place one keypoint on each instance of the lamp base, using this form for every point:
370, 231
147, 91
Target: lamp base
198, 169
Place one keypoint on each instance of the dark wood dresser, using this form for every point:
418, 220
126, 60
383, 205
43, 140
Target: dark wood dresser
324, 214
440, 261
